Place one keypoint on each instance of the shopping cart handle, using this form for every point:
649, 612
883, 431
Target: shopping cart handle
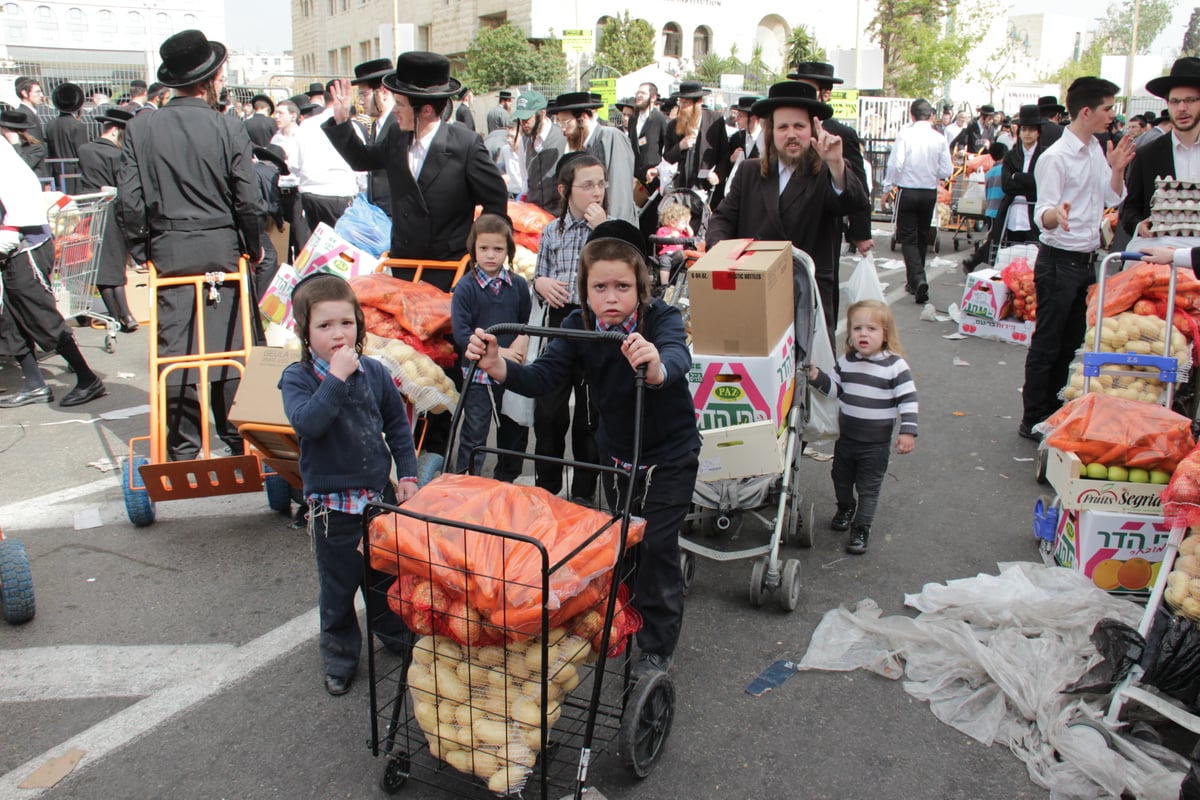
1131, 256
560, 333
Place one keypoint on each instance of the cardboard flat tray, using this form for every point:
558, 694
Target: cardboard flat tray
1064, 471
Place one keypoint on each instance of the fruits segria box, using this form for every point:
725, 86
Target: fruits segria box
1076, 491
1121, 553
740, 294
733, 390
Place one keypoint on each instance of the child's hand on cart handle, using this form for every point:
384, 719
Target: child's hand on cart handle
640, 350
905, 443
484, 348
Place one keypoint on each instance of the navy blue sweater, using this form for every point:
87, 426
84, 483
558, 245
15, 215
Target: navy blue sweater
342, 427
669, 419
475, 306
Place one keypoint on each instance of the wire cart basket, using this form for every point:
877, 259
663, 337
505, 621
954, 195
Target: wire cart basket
521, 672
78, 223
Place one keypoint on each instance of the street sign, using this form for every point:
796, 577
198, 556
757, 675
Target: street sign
607, 89
578, 40
845, 104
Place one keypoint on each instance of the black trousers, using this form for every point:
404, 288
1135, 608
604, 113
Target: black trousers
477, 421
914, 215
183, 418
1061, 278
320, 208
29, 315
551, 421
858, 472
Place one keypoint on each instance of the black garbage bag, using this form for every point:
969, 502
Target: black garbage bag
1172, 662
1122, 648
1190, 788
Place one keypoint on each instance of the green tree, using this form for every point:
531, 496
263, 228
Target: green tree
1117, 26
921, 51
1191, 37
625, 44
1088, 64
802, 45
503, 56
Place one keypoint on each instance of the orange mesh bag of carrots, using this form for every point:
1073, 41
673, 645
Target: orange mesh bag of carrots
1125, 288
417, 306
498, 578
1102, 429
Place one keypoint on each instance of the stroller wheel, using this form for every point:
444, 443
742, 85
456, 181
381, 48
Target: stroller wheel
789, 590
758, 581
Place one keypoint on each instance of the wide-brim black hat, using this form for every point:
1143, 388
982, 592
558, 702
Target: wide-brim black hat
315, 88
274, 154
188, 58
505, 94
1184, 72
115, 116
1049, 105
792, 94
690, 90
746, 102
264, 98
371, 71
67, 97
422, 74
667, 104
815, 71
618, 230
987, 108
14, 120
302, 103
567, 158
574, 101
1030, 116
625, 102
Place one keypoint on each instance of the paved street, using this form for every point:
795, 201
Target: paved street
181, 658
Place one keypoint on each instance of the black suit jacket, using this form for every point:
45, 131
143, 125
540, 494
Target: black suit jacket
260, 129
1016, 182
432, 214
379, 191
1155, 159
541, 169
860, 221
648, 146
738, 141
463, 116
711, 151
99, 163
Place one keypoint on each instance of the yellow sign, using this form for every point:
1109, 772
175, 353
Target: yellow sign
845, 103
607, 89
578, 40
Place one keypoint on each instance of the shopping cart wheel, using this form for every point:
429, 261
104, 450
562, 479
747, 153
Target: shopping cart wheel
110, 343
937, 244
395, 774
789, 590
687, 565
646, 723
279, 494
893, 244
956, 244
1042, 461
16, 583
138, 504
758, 581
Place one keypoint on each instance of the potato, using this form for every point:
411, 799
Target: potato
1174, 596
447, 712
531, 737
567, 678
461, 760
490, 656
466, 715
1189, 545
448, 685
1191, 607
575, 649
527, 711
507, 780
486, 762
1190, 565
1193, 587
462, 735
495, 703
1178, 580
423, 650
489, 732
427, 716
446, 648
533, 657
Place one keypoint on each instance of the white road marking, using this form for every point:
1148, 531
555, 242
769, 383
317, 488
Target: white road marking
105, 737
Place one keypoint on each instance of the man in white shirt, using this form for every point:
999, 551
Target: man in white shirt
327, 183
920, 159
1076, 180
954, 128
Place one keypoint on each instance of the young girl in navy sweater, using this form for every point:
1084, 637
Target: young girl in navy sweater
614, 285
352, 427
874, 386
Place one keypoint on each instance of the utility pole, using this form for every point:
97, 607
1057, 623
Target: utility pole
949, 35
1137, 5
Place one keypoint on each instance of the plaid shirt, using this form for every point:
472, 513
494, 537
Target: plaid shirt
350, 501
558, 251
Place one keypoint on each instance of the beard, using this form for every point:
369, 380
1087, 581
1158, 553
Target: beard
576, 138
688, 119
792, 162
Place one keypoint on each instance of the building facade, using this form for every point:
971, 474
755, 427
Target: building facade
260, 68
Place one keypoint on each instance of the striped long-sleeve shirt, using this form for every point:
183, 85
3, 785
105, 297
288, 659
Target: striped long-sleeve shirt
872, 392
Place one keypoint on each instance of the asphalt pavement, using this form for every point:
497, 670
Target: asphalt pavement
180, 660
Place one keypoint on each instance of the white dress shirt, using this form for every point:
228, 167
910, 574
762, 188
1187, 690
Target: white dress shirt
1075, 172
1187, 159
319, 167
920, 158
1018, 212
419, 149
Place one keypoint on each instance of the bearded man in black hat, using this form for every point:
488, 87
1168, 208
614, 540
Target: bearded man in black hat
191, 204
260, 126
698, 144
1172, 155
797, 191
378, 103
66, 132
575, 113
498, 118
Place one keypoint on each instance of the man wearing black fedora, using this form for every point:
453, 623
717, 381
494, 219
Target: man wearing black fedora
377, 102
498, 118
191, 204
819, 75
99, 166
1172, 155
463, 115
979, 132
797, 191
137, 95
1052, 112
575, 113
698, 145
316, 94
66, 132
260, 125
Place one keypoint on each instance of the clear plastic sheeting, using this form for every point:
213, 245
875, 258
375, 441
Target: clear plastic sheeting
992, 655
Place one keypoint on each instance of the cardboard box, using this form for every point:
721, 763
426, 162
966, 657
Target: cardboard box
1013, 331
258, 398
1064, 471
326, 251
985, 296
741, 297
276, 303
137, 292
740, 451
1121, 553
734, 390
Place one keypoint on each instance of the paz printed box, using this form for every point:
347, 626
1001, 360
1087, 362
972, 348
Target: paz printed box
1013, 331
732, 390
326, 251
1121, 553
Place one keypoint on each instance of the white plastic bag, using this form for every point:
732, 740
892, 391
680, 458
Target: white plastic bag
863, 283
518, 407
823, 409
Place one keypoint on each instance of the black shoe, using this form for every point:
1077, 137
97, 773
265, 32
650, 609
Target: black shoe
583, 501
922, 293
842, 519
40, 395
129, 325
1027, 432
337, 685
651, 662
908, 287
83, 394
858, 539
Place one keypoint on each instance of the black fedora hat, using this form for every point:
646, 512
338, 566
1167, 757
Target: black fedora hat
189, 57
690, 90
316, 87
815, 71
14, 120
618, 230
303, 104
67, 97
270, 103
575, 101
274, 154
567, 158
625, 102
371, 71
986, 108
792, 94
1029, 116
505, 94
1049, 105
115, 116
666, 104
746, 102
1184, 72
420, 73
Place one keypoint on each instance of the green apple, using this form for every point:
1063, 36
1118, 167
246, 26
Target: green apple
1160, 477
1139, 476
1118, 473
1097, 472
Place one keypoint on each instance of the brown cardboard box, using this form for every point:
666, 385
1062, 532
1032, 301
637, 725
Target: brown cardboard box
741, 297
258, 397
137, 292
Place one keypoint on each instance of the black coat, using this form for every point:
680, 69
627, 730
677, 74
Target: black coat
711, 151
738, 142
261, 129
99, 164
1156, 159
859, 221
379, 191
1051, 133
64, 136
34, 154
541, 170
1016, 182
648, 146
464, 117
431, 215
36, 131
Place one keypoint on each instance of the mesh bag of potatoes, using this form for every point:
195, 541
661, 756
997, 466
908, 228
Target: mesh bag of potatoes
1183, 584
423, 383
1128, 332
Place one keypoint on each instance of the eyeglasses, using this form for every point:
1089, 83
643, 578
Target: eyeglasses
1183, 101
591, 186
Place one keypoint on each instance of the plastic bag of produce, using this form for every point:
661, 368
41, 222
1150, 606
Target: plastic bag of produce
1102, 429
418, 306
1181, 498
365, 226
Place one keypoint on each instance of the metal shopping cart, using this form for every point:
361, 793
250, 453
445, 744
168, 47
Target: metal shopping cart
78, 224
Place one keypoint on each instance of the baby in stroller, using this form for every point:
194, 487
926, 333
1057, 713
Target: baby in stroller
674, 221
